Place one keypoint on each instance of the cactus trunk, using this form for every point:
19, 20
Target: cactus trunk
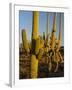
53, 33
35, 45
60, 33
47, 28
35, 30
35, 25
34, 67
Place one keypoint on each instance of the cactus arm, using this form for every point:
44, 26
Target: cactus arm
25, 42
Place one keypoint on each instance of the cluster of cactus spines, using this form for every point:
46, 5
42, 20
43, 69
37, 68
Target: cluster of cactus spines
24, 40
40, 45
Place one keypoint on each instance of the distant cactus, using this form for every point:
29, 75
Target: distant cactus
34, 67
25, 42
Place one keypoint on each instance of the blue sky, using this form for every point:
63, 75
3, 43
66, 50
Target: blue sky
25, 22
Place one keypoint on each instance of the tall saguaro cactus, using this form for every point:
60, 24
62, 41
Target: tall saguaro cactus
60, 33
35, 43
53, 33
47, 28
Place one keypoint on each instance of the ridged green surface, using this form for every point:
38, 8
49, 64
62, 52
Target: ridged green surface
25, 42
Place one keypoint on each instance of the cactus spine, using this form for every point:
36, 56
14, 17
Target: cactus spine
25, 42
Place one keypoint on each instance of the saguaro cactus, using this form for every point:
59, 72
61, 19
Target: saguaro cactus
60, 33
25, 42
53, 33
35, 45
47, 28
